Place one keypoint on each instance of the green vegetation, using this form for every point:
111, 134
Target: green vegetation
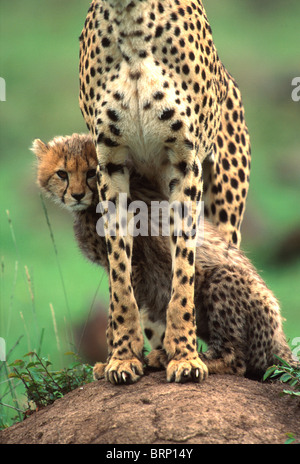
46, 286
287, 374
43, 385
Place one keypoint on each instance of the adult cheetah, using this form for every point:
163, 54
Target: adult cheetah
154, 93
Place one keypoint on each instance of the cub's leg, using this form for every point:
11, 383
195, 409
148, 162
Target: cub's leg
155, 334
225, 306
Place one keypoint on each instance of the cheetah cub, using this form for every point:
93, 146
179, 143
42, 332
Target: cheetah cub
236, 314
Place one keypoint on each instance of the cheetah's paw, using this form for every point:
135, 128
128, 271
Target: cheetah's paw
185, 370
99, 370
157, 359
125, 371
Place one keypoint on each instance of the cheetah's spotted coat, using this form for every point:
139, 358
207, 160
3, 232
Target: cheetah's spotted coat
236, 314
153, 91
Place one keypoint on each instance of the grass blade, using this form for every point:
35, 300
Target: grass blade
41, 342
12, 299
55, 328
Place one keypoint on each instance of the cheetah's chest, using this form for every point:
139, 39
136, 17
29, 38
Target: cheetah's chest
143, 112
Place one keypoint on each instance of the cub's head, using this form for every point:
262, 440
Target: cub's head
67, 170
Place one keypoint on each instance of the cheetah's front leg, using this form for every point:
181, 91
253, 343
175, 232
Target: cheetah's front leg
124, 334
180, 337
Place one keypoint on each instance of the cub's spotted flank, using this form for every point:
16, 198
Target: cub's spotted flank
154, 91
236, 314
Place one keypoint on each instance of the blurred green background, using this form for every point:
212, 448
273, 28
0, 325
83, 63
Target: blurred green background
258, 41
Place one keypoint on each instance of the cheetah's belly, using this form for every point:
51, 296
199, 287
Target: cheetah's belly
149, 114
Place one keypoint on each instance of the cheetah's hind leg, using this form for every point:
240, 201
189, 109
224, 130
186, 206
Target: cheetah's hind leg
155, 332
227, 321
157, 359
224, 360
99, 370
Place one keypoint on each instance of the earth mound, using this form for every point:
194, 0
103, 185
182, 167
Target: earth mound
222, 410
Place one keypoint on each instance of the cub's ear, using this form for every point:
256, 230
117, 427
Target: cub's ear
39, 148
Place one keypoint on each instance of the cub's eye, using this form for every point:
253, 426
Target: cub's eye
62, 174
91, 173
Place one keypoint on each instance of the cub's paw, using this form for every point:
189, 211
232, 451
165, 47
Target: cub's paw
99, 371
125, 371
157, 359
186, 369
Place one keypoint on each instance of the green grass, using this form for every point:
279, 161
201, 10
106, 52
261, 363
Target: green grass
41, 384
40, 66
287, 374
290, 377
39, 61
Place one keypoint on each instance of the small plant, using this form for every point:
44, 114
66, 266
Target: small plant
285, 373
291, 439
42, 385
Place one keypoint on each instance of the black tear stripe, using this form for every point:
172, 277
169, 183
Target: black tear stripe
88, 186
65, 191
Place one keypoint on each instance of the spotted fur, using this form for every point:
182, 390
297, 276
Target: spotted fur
235, 313
154, 91
67, 170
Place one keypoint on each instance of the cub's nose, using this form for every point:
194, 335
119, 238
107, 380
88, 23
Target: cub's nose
78, 196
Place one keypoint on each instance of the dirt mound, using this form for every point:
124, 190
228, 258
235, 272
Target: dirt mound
223, 409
